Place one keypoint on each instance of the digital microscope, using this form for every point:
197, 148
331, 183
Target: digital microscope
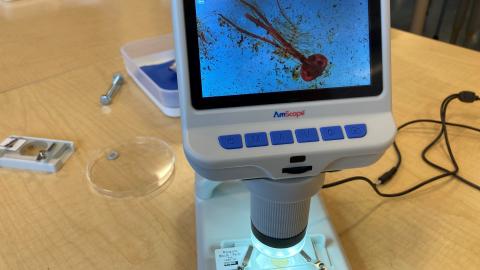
274, 93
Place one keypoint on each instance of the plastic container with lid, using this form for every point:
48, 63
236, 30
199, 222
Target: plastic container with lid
141, 54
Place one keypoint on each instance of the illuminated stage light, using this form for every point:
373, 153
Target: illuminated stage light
277, 253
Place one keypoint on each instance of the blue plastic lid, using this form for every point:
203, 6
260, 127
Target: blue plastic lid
162, 75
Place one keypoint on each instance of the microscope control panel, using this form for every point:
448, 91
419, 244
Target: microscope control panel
287, 137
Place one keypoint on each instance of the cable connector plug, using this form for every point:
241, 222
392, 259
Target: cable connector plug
468, 96
387, 176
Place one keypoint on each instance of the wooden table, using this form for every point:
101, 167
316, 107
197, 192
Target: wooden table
57, 58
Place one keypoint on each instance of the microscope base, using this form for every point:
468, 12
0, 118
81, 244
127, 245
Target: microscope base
223, 221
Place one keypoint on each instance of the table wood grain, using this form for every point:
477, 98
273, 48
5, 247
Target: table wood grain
57, 58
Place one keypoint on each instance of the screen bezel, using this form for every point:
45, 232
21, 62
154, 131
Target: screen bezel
203, 103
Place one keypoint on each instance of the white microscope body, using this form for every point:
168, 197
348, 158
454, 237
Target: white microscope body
260, 154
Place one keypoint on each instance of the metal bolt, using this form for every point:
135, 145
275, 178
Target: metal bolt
117, 82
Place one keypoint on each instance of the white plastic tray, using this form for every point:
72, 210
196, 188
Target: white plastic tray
152, 51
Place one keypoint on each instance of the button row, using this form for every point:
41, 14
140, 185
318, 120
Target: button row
283, 137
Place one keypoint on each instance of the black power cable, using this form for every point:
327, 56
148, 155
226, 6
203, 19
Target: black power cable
465, 97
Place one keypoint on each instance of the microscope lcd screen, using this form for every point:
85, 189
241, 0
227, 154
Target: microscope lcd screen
253, 52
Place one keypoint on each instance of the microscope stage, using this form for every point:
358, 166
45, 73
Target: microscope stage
232, 253
223, 226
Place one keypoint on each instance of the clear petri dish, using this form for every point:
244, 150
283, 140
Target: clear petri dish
133, 169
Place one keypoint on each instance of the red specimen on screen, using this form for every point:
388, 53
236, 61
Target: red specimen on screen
312, 66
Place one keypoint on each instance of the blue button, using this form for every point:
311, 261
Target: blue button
356, 131
332, 133
230, 142
307, 135
256, 139
281, 137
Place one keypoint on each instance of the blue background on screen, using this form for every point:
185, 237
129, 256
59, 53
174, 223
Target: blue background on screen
233, 63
